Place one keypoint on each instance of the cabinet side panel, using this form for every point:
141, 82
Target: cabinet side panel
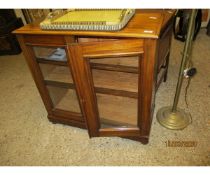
147, 86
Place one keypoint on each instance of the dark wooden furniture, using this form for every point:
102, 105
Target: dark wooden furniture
8, 41
107, 81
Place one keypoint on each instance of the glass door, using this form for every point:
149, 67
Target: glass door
109, 76
115, 82
57, 79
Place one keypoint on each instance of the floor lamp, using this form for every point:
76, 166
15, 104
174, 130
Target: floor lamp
172, 117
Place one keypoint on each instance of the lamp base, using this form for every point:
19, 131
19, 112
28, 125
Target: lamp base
175, 120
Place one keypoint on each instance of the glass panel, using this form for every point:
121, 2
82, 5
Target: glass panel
57, 77
56, 73
61, 87
50, 53
116, 86
116, 111
63, 98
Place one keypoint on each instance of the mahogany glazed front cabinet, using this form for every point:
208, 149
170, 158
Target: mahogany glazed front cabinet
101, 81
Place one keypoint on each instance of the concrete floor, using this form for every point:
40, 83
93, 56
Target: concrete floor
28, 138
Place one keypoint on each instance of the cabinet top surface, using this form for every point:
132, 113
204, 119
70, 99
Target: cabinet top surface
144, 24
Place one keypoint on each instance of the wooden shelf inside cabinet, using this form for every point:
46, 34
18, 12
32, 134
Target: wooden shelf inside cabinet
45, 61
115, 83
106, 82
116, 68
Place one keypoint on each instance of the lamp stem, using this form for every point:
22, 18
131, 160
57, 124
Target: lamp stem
185, 56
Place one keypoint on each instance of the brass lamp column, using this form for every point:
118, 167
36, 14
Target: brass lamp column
172, 117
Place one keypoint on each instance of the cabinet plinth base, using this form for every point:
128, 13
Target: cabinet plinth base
62, 120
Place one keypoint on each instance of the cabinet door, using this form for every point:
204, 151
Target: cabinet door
108, 76
54, 80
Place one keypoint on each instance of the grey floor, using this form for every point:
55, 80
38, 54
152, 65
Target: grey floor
28, 138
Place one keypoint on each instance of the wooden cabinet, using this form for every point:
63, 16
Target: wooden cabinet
102, 81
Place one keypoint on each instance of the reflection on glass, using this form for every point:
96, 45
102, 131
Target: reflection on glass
50, 53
